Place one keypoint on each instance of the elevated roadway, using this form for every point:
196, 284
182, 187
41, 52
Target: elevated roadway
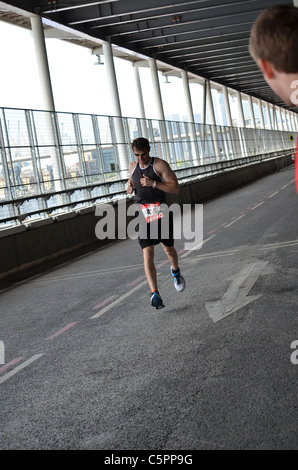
89, 364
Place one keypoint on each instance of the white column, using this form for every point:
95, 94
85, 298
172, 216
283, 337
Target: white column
212, 118
48, 100
156, 89
112, 80
292, 128
269, 116
241, 125
261, 114
227, 106
42, 62
275, 123
190, 116
204, 102
159, 106
252, 114
287, 114
279, 124
204, 119
139, 91
140, 100
230, 122
282, 119
189, 110
285, 118
116, 109
240, 110
210, 103
295, 116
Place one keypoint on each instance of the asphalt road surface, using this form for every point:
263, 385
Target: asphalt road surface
88, 364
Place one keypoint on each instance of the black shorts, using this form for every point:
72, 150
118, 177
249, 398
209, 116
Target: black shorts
158, 231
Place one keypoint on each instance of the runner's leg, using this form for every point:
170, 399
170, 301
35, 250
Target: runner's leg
172, 255
150, 271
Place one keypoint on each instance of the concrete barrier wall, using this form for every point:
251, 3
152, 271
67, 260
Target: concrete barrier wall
44, 241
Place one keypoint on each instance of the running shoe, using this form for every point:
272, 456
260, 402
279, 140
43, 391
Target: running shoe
179, 281
156, 300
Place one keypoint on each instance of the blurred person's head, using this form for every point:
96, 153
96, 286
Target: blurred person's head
273, 45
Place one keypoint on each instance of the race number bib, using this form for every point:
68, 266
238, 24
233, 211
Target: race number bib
151, 211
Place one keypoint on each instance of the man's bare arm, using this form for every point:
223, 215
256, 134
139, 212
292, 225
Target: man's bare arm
130, 186
169, 184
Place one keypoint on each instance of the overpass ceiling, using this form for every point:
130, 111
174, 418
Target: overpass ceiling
207, 38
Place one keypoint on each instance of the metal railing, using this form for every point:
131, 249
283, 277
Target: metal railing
52, 163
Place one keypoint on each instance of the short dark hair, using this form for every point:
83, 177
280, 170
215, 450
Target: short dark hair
141, 144
274, 37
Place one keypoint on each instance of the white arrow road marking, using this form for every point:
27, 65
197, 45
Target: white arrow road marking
237, 295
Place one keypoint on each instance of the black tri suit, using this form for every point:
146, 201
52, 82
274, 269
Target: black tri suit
152, 206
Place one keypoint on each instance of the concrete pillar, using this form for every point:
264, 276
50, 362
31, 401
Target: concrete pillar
229, 119
42, 62
275, 124
241, 126
140, 100
252, 114
288, 121
190, 116
112, 80
227, 106
295, 118
212, 118
139, 91
269, 116
159, 107
189, 110
261, 114
282, 119
291, 121
240, 110
50, 117
116, 109
156, 89
279, 123
204, 117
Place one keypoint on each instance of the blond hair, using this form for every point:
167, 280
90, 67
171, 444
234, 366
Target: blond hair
274, 37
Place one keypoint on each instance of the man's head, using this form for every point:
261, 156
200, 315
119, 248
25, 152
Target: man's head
141, 149
273, 45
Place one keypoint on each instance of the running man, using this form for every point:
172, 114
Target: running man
149, 179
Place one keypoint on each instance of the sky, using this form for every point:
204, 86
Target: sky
78, 84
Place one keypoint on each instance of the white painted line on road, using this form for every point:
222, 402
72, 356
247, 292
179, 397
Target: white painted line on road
86, 274
216, 254
127, 294
20, 367
278, 245
258, 205
235, 220
106, 301
163, 263
136, 281
61, 331
276, 192
194, 249
10, 364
